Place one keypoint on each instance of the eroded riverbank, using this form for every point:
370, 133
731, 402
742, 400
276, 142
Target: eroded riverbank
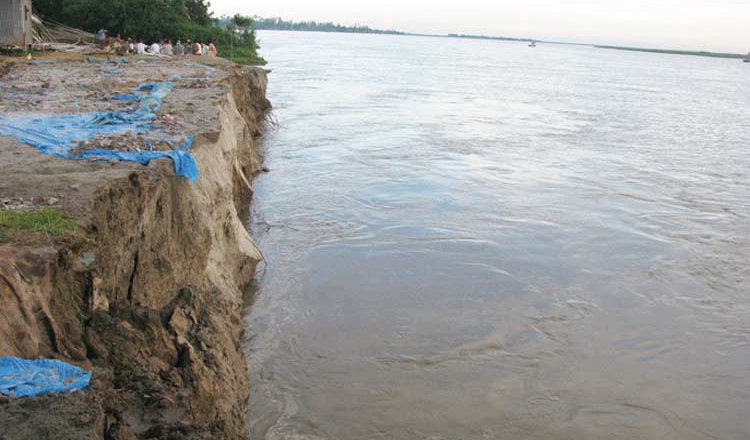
147, 290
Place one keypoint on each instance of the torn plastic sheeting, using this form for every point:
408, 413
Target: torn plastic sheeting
111, 69
152, 102
150, 61
146, 86
126, 97
26, 378
22, 94
56, 134
91, 60
184, 164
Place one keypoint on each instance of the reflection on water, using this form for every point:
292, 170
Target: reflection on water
473, 240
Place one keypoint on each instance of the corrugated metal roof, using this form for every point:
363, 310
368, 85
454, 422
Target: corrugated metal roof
15, 22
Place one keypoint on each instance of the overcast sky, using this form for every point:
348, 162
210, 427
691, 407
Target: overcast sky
722, 25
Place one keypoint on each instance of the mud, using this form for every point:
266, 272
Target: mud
147, 292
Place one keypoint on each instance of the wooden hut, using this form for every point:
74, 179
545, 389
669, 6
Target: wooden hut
15, 23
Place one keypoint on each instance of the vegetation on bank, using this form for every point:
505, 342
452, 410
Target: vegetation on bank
243, 48
675, 52
153, 20
487, 37
47, 221
280, 24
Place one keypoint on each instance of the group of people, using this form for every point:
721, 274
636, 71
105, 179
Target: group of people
163, 47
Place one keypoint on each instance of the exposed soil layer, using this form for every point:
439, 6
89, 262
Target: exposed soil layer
147, 292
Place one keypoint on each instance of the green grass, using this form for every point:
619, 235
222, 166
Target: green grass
47, 221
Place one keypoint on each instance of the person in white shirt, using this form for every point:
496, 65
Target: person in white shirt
154, 49
140, 48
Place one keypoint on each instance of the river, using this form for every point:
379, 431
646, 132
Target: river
472, 239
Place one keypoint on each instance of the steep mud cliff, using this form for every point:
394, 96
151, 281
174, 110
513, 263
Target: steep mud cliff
148, 292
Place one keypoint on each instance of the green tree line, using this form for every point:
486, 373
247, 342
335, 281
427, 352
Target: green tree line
153, 20
314, 26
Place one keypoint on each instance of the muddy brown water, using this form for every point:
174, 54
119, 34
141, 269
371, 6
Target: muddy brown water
477, 240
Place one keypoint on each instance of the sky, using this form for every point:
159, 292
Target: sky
717, 25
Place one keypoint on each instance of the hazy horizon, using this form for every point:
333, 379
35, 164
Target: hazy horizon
673, 24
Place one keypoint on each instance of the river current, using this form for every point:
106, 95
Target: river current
472, 239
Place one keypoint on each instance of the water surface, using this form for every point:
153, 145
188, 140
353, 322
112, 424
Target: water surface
477, 240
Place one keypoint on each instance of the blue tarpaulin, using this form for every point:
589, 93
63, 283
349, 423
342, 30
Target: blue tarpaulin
26, 378
126, 97
92, 60
56, 134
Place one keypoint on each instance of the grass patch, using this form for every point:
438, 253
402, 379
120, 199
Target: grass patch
46, 221
240, 55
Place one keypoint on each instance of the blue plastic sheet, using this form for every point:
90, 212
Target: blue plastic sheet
109, 69
91, 60
26, 378
125, 97
56, 134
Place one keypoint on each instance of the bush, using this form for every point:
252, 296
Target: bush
240, 55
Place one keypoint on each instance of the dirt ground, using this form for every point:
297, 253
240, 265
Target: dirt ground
147, 291
74, 86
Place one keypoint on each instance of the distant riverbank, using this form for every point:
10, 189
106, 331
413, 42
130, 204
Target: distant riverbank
278, 24
676, 52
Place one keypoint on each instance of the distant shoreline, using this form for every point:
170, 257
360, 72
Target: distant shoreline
675, 52
697, 53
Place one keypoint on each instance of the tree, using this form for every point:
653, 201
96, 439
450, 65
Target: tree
198, 11
242, 22
244, 26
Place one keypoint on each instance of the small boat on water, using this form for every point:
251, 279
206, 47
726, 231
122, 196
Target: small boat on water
747, 58
533, 44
